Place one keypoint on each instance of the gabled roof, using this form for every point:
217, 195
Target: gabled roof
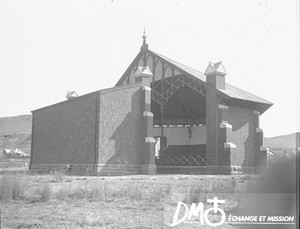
182, 67
230, 91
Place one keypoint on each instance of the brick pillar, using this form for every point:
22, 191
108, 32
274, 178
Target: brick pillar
211, 129
147, 156
260, 151
218, 149
226, 148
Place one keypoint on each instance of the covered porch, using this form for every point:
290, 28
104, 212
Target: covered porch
179, 118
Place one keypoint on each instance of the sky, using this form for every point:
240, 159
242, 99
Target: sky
50, 47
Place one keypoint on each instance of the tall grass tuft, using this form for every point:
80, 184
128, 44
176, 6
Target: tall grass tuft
194, 194
44, 192
59, 176
11, 187
95, 191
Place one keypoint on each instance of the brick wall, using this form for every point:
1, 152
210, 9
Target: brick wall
242, 135
211, 125
120, 130
64, 133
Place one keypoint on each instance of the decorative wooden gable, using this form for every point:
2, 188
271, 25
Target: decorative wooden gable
167, 76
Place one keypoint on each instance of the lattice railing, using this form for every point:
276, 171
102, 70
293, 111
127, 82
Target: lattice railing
185, 160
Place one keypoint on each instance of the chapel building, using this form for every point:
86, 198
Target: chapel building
161, 117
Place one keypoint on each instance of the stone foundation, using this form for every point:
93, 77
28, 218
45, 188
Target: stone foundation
118, 169
79, 169
101, 170
148, 169
187, 170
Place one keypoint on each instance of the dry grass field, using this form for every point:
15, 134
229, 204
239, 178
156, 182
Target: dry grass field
60, 201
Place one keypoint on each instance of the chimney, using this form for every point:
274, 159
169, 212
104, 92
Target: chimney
215, 75
144, 75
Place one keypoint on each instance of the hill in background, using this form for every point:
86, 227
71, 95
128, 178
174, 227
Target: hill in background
283, 141
15, 132
15, 125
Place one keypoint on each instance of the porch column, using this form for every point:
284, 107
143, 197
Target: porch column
218, 149
147, 156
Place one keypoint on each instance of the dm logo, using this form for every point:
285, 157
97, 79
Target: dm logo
195, 210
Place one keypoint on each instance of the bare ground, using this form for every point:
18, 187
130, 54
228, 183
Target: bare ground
117, 202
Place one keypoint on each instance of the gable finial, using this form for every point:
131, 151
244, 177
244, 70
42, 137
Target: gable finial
144, 45
144, 36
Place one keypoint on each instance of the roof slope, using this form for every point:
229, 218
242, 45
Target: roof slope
183, 67
230, 90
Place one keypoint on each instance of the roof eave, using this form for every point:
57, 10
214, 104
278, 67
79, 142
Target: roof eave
260, 107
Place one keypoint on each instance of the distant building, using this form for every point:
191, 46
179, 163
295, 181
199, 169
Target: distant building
14, 153
7, 151
202, 123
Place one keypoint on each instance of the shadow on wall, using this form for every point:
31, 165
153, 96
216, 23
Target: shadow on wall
243, 134
125, 141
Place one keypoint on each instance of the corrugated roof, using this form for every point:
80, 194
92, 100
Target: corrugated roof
231, 91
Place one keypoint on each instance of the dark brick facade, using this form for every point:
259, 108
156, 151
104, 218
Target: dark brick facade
108, 132
120, 129
238, 141
234, 139
242, 135
64, 134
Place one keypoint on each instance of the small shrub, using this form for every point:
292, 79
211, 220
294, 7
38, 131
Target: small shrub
247, 177
167, 189
17, 189
131, 192
193, 195
45, 192
6, 188
59, 176
62, 193
81, 192
233, 183
11, 188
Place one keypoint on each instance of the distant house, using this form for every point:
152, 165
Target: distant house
7, 151
20, 153
12, 153
276, 155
